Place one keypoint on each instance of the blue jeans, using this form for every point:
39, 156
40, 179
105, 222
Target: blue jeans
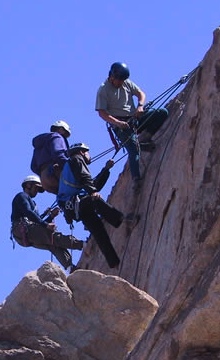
150, 121
130, 141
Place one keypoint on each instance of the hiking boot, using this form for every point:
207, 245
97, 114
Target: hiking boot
115, 265
72, 268
136, 184
131, 217
86, 247
131, 220
147, 146
119, 221
76, 244
144, 136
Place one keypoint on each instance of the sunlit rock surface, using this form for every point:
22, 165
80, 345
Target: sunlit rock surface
170, 251
89, 315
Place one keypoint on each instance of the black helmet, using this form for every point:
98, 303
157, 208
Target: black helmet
119, 71
75, 147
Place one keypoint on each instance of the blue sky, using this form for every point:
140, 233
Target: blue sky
54, 56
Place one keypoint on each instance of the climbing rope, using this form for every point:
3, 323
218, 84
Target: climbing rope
48, 210
165, 96
102, 154
71, 233
45, 213
177, 124
118, 145
172, 89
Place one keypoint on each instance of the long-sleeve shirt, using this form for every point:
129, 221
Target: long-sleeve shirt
24, 206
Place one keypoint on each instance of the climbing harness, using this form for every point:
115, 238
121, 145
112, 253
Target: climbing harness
73, 205
113, 138
19, 232
19, 229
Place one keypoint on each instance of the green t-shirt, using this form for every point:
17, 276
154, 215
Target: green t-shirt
117, 102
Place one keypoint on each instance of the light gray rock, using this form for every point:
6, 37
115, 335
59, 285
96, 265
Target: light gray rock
183, 228
173, 252
18, 353
92, 316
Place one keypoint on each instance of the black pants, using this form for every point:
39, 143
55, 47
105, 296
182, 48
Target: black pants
89, 210
152, 120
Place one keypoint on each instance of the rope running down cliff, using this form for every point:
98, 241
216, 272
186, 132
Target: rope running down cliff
177, 124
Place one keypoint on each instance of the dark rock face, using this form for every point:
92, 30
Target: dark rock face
202, 354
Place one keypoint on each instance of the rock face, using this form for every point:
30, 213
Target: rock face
173, 252
170, 251
87, 316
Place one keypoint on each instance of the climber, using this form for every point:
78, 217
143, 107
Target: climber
115, 105
30, 229
78, 193
50, 154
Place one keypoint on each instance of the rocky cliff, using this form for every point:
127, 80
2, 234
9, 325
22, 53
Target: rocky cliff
173, 252
170, 254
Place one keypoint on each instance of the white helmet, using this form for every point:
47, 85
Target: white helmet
78, 146
35, 179
61, 123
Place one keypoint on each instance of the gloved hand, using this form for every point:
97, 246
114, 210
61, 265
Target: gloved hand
54, 212
109, 164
